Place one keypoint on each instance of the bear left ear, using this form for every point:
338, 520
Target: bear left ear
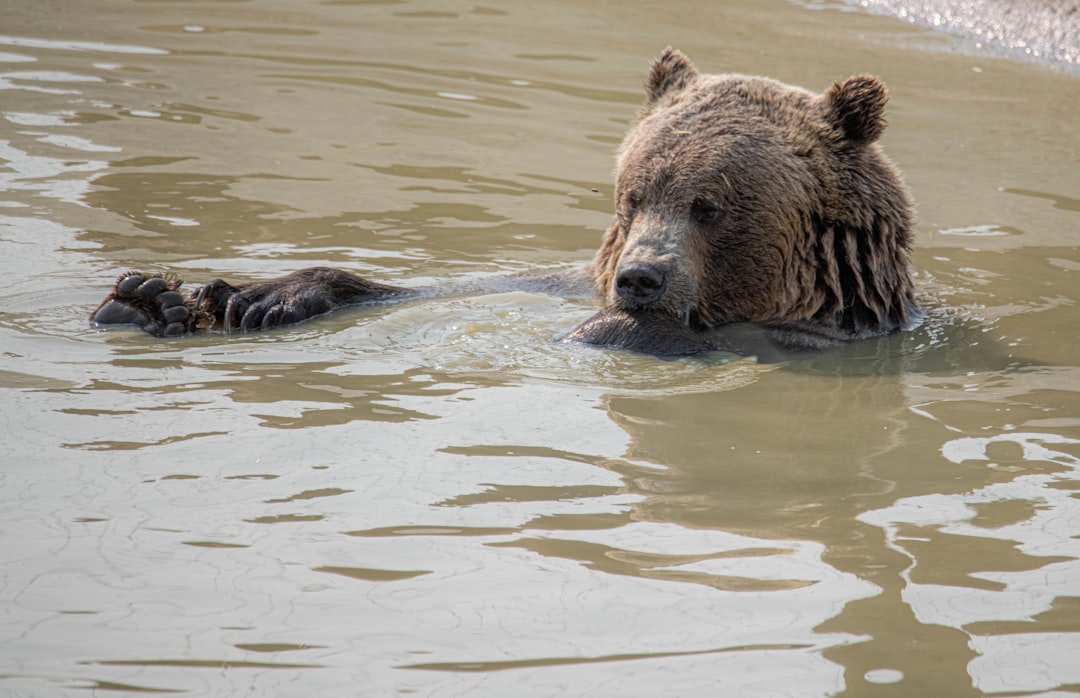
856, 107
671, 72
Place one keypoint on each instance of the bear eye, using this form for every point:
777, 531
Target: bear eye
633, 202
704, 212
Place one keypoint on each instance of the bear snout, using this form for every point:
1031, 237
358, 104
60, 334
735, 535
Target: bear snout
640, 283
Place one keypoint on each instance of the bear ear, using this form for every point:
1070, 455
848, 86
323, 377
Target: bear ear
856, 107
671, 72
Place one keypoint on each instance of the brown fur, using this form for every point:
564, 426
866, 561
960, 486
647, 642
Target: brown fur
813, 223
738, 200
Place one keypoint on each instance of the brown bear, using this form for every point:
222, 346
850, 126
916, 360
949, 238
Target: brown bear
749, 214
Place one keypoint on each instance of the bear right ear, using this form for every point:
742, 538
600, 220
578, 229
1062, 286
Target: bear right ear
856, 107
671, 72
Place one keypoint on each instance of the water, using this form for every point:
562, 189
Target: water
434, 499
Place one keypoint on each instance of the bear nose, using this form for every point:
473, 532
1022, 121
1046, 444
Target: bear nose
640, 282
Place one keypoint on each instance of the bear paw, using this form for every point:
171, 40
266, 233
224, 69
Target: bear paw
263, 305
150, 301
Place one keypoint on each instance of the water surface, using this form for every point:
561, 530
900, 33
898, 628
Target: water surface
434, 499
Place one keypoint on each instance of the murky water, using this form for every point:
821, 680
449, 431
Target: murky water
434, 499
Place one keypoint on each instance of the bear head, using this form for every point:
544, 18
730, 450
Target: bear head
742, 199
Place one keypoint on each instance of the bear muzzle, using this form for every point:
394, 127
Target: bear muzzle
641, 283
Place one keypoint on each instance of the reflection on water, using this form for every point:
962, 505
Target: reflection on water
1013, 596
434, 498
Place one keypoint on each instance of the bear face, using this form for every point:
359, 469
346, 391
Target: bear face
741, 199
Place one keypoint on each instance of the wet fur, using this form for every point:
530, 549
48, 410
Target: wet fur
761, 203
815, 232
